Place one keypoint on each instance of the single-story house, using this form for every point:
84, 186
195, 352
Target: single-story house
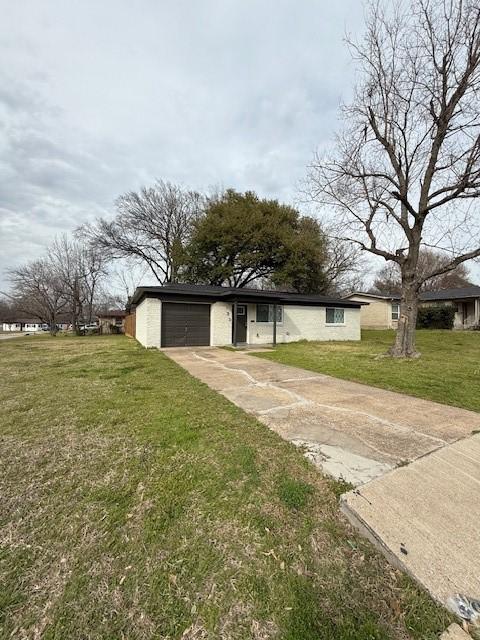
466, 301
8, 325
378, 311
24, 324
383, 311
112, 321
32, 325
195, 315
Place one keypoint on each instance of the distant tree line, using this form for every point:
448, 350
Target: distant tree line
67, 282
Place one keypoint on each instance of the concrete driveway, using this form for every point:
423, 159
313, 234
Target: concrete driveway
352, 431
422, 515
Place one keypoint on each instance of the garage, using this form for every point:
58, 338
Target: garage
185, 325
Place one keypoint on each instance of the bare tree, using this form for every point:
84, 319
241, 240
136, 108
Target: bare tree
79, 270
37, 291
126, 278
151, 226
389, 279
120, 285
344, 266
406, 169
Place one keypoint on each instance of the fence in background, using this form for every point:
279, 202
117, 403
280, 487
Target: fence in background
130, 325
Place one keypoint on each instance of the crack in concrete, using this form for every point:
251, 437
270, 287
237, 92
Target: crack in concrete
302, 401
299, 400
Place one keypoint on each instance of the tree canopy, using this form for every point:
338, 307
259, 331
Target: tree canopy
241, 239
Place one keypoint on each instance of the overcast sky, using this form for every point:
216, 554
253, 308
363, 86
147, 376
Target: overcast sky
99, 97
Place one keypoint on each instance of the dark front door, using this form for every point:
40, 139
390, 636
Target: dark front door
241, 323
185, 325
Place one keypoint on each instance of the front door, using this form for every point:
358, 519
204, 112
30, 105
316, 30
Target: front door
241, 323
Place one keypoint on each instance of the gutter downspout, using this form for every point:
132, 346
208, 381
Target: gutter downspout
274, 324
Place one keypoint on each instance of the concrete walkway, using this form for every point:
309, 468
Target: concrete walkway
425, 517
350, 430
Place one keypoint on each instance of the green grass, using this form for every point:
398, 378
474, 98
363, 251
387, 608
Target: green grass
447, 372
137, 503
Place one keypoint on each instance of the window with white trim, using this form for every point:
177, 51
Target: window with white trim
334, 315
395, 311
265, 313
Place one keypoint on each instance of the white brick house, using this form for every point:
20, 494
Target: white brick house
197, 315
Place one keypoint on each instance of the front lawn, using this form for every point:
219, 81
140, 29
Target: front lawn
448, 371
136, 503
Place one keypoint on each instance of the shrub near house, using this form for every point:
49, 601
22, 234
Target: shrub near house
436, 317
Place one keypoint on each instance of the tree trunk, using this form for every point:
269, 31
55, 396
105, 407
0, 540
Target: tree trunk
404, 346
53, 325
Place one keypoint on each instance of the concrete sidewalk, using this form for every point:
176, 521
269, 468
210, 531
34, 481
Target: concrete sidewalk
425, 517
350, 430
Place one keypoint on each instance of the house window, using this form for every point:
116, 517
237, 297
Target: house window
265, 313
395, 311
335, 316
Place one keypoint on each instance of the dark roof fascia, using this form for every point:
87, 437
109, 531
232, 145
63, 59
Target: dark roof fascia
174, 296
285, 299
245, 296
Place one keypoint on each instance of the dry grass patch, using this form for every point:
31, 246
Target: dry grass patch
137, 503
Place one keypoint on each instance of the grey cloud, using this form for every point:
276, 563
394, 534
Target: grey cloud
98, 98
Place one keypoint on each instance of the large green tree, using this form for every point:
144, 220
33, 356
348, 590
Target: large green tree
242, 239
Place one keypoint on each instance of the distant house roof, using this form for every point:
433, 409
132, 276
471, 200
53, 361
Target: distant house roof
459, 293
113, 313
375, 296
452, 294
23, 321
239, 294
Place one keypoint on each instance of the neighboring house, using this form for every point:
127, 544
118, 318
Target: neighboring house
197, 315
11, 326
383, 312
378, 311
466, 301
24, 324
33, 325
112, 321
